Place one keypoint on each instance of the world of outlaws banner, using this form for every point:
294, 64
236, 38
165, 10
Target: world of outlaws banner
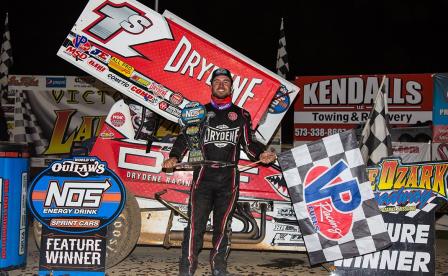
163, 63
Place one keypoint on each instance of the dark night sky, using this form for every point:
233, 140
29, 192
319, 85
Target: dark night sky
323, 37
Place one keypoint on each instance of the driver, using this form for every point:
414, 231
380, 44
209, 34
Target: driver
228, 128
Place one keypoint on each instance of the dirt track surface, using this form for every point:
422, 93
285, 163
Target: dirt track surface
148, 260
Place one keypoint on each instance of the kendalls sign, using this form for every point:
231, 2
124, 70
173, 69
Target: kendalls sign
75, 199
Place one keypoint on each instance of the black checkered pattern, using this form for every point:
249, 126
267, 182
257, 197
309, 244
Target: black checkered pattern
5, 62
368, 232
26, 126
376, 141
282, 57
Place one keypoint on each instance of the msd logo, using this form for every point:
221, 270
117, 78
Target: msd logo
331, 196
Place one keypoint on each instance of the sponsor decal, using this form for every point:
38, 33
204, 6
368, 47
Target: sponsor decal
221, 136
59, 82
81, 42
117, 119
163, 105
192, 113
286, 227
286, 212
211, 114
23, 81
146, 95
176, 99
107, 132
330, 198
287, 237
281, 101
140, 79
158, 89
76, 53
118, 80
120, 66
96, 65
405, 149
85, 79
232, 116
174, 111
99, 54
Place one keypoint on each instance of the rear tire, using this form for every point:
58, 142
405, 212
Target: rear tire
122, 234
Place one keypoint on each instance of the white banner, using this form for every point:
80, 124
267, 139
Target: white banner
412, 152
54, 112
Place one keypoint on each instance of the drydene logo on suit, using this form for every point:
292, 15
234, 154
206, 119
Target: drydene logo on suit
221, 135
331, 196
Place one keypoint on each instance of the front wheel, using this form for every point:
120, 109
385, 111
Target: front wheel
122, 234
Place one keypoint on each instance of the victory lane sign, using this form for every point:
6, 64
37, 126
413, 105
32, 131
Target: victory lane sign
75, 199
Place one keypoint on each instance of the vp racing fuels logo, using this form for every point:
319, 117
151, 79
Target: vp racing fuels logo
407, 187
76, 195
221, 135
331, 196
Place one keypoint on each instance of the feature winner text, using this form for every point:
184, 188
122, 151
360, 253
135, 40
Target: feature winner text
397, 259
73, 251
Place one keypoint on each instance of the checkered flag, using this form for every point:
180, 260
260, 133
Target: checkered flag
6, 61
282, 56
26, 126
333, 200
376, 141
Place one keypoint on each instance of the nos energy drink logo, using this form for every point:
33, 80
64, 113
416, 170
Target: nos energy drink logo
77, 195
192, 113
331, 196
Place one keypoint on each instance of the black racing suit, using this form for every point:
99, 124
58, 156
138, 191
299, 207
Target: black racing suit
215, 189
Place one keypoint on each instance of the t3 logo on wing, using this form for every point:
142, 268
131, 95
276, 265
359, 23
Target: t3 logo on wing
112, 24
76, 194
331, 196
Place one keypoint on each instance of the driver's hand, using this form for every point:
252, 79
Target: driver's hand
268, 157
169, 163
